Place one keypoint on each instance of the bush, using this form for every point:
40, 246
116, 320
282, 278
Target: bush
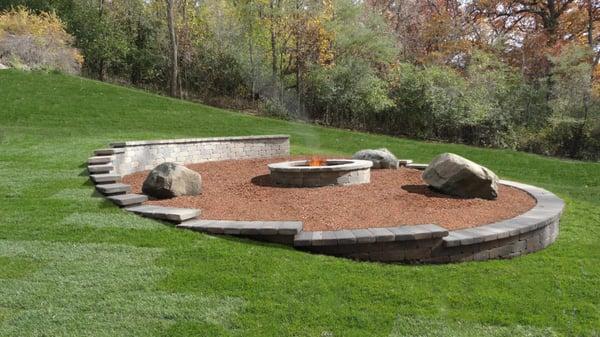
36, 41
428, 103
347, 94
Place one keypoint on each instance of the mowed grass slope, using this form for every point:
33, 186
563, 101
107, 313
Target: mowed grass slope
72, 264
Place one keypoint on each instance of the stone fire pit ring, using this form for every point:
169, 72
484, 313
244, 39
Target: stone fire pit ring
340, 172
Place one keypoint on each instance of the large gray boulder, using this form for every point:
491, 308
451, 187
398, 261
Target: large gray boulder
381, 158
458, 176
169, 180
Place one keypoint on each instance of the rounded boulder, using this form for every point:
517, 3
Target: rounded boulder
454, 175
169, 180
381, 158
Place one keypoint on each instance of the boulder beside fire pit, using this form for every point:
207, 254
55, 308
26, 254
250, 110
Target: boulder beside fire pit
454, 175
381, 158
169, 180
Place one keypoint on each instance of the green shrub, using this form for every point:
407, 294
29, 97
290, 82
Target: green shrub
347, 94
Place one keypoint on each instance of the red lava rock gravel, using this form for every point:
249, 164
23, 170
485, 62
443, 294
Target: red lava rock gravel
240, 190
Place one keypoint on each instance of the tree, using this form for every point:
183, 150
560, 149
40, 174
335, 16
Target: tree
174, 80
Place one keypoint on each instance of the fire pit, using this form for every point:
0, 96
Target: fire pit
318, 172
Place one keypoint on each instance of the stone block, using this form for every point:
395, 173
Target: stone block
382, 234
209, 226
127, 199
105, 178
363, 236
303, 239
324, 238
288, 227
100, 160
345, 237
116, 188
108, 151
165, 213
102, 168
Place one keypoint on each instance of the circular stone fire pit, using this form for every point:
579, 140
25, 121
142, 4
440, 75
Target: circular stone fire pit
300, 173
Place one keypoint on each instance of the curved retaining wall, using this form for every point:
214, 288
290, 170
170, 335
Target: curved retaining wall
428, 243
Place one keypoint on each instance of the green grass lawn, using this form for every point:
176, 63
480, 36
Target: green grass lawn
74, 265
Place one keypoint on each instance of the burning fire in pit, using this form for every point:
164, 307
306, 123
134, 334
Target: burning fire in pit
316, 161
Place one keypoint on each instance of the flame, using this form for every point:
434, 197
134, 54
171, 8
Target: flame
316, 161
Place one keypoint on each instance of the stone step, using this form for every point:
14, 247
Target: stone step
116, 188
100, 168
128, 199
165, 213
105, 178
99, 160
234, 227
404, 162
108, 151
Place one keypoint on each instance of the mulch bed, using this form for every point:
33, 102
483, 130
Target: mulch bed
241, 190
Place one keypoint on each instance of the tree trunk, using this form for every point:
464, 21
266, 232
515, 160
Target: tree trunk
298, 61
251, 51
101, 60
273, 42
174, 85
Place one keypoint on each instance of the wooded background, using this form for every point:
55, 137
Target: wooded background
510, 74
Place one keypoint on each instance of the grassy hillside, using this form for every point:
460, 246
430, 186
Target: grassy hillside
72, 264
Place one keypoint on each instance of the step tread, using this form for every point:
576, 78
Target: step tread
105, 178
113, 188
100, 168
99, 160
108, 151
128, 199
175, 214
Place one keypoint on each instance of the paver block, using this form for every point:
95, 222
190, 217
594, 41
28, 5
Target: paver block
105, 178
116, 188
100, 168
249, 227
324, 238
303, 239
345, 237
165, 213
108, 151
402, 233
363, 236
99, 160
419, 232
128, 199
268, 228
454, 238
288, 227
435, 230
210, 226
473, 236
382, 234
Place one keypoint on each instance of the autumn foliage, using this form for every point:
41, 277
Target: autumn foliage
37, 41
517, 74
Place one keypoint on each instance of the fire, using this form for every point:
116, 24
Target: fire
316, 161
